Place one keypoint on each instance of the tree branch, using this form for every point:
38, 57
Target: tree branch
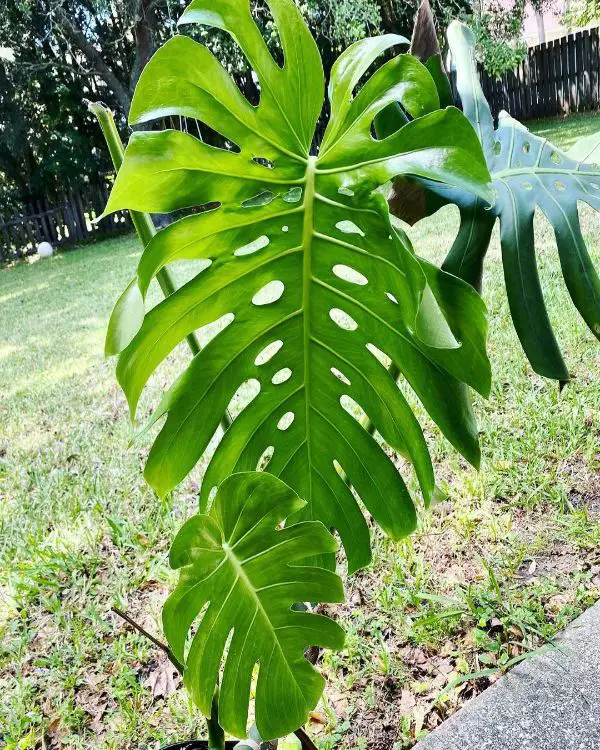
77, 37
162, 646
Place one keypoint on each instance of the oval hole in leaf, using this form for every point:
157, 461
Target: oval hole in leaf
293, 195
267, 163
497, 148
560, 185
211, 497
527, 186
208, 332
349, 274
281, 376
252, 247
270, 293
350, 405
268, 353
243, 397
285, 228
379, 355
556, 157
262, 199
342, 319
187, 268
346, 191
526, 147
391, 297
595, 186
286, 421
264, 459
340, 376
349, 227
197, 625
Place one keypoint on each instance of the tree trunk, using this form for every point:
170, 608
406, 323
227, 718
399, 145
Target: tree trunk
144, 33
390, 18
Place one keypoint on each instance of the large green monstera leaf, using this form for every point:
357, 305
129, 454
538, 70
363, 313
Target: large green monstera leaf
240, 573
528, 173
302, 259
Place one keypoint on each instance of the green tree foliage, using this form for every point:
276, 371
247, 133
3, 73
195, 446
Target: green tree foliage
498, 28
47, 139
581, 13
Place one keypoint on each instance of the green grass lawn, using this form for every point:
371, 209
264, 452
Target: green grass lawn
492, 573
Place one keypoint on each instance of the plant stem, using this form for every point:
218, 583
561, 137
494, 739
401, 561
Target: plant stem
142, 222
305, 741
216, 735
162, 646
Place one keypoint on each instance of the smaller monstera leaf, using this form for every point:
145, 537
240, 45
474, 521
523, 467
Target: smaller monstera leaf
528, 173
241, 574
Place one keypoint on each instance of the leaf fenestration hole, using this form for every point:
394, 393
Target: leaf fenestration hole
340, 376
497, 148
252, 247
527, 186
346, 273
264, 459
346, 191
349, 227
286, 421
379, 355
560, 185
595, 186
268, 353
293, 195
350, 405
555, 157
264, 162
195, 627
391, 297
342, 319
211, 498
269, 294
262, 199
526, 147
244, 396
207, 333
338, 467
285, 228
281, 376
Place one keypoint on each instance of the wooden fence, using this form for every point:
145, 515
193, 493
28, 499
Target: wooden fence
64, 223
556, 78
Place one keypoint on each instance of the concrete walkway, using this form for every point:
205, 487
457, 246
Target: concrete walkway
548, 702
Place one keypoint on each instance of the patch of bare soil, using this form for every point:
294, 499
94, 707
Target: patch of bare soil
434, 681
584, 493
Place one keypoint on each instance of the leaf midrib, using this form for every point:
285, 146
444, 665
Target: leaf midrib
242, 576
534, 170
308, 233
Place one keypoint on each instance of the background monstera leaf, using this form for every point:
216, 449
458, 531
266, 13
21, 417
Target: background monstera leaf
248, 573
528, 173
303, 259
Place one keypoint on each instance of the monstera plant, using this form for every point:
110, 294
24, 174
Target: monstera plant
528, 173
322, 306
